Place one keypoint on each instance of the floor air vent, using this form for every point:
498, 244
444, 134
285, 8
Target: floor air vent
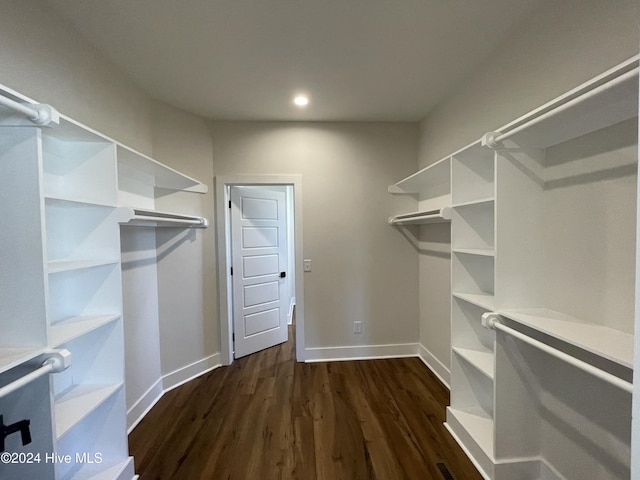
446, 474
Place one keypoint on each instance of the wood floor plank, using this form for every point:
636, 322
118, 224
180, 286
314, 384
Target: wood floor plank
267, 417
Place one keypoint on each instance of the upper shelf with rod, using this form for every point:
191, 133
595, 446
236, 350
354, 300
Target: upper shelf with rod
434, 179
152, 218
606, 100
18, 110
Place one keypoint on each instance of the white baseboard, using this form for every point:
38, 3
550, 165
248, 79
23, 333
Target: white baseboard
435, 365
168, 382
144, 404
292, 304
183, 375
360, 352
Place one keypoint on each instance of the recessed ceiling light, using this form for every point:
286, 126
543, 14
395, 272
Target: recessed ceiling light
301, 100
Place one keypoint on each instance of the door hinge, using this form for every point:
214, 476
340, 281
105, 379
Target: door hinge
229, 203
233, 337
231, 270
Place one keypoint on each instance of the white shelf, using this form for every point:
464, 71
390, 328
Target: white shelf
59, 266
159, 175
68, 329
13, 357
155, 173
76, 403
434, 180
607, 99
477, 425
52, 199
603, 341
482, 361
485, 252
481, 300
473, 203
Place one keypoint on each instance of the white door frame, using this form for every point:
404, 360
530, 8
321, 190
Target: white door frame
223, 241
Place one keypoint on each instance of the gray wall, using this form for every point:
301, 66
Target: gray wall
362, 268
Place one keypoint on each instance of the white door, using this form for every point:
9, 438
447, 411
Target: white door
259, 261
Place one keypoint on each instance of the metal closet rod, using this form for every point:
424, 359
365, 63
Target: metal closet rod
185, 221
57, 361
443, 213
38, 114
491, 320
168, 218
494, 139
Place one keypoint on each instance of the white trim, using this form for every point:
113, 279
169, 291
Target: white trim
436, 366
222, 183
360, 352
290, 314
467, 452
185, 374
166, 383
142, 406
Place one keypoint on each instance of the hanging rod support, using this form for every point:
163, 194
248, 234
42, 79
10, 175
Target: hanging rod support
40, 114
56, 361
491, 320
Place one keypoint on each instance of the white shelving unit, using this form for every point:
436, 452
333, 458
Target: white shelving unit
543, 236
431, 187
64, 191
470, 417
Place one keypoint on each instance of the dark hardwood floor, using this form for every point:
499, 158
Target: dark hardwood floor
269, 417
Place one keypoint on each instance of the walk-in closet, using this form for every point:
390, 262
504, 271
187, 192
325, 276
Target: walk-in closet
319, 240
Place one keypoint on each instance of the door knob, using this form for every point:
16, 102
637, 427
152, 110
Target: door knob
283, 274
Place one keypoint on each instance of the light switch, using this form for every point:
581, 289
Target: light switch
307, 265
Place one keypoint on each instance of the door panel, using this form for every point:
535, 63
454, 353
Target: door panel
259, 208
257, 265
259, 251
259, 237
262, 322
262, 293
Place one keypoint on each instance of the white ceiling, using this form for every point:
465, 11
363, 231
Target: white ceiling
371, 60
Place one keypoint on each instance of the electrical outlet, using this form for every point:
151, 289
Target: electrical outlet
307, 264
357, 327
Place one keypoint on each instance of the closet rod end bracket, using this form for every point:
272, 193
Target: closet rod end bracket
44, 115
490, 320
59, 360
489, 140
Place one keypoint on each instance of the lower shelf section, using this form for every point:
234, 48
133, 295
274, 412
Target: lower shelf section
483, 361
474, 432
76, 403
